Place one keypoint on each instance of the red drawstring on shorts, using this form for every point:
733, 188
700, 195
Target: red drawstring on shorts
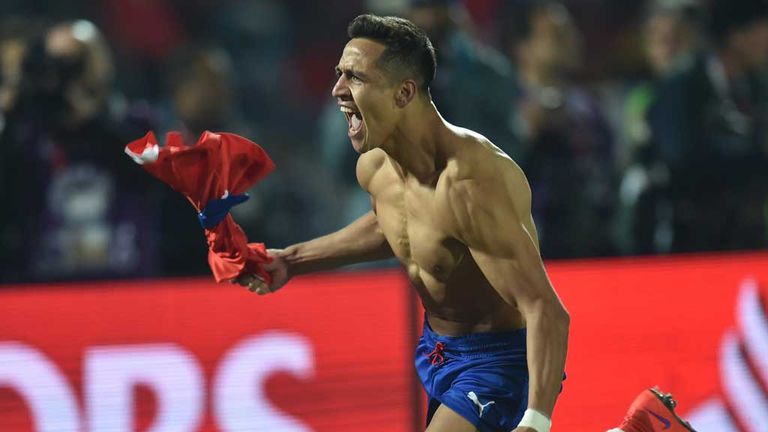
436, 356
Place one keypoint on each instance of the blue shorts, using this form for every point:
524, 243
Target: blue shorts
481, 376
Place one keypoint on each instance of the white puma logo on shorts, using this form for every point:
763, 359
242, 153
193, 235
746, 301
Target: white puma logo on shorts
480, 406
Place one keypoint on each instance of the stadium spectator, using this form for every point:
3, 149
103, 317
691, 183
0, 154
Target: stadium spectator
671, 41
709, 123
74, 207
568, 147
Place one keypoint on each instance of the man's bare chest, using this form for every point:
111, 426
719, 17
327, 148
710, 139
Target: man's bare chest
415, 223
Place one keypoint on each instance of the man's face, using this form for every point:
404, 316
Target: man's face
666, 39
203, 96
752, 43
555, 42
365, 95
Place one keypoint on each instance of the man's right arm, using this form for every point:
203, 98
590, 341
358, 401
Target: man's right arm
360, 241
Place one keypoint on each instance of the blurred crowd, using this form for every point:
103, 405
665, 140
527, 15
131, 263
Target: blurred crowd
642, 125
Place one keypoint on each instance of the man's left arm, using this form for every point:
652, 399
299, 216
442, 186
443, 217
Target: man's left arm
508, 256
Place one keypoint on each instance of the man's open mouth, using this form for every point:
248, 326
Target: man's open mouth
354, 119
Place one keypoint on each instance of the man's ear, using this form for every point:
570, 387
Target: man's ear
406, 93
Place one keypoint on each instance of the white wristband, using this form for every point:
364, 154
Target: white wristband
535, 420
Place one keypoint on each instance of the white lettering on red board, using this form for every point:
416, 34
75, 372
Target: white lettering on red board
239, 401
171, 373
42, 385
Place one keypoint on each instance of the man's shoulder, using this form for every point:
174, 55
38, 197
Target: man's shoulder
476, 158
482, 186
481, 171
368, 164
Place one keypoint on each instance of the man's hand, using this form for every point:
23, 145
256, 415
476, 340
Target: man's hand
278, 269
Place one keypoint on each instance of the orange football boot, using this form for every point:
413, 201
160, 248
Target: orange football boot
654, 411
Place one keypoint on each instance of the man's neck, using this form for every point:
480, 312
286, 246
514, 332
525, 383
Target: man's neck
416, 144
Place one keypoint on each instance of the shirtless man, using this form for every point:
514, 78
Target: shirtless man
456, 212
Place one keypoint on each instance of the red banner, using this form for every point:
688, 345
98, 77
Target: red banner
327, 353
671, 322
334, 352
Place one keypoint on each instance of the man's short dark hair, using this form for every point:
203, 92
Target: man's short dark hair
727, 16
408, 52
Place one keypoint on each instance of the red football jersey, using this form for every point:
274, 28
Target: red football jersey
217, 166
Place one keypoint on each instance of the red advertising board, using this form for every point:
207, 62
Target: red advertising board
671, 322
334, 351
328, 353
